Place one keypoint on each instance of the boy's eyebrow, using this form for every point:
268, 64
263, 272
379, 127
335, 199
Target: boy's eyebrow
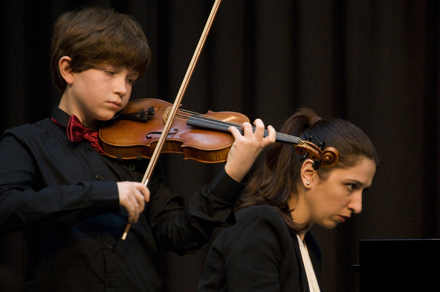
134, 74
114, 67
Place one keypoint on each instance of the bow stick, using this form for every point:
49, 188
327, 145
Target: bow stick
177, 102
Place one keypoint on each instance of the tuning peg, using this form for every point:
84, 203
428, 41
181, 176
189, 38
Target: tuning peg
304, 157
316, 164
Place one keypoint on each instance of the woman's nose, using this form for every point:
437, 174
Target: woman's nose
355, 204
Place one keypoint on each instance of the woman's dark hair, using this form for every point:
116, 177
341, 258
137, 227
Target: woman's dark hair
277, 180
93, 36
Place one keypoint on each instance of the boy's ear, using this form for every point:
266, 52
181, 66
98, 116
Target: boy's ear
307, 173
64, 65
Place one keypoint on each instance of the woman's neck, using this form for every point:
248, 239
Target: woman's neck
300, 215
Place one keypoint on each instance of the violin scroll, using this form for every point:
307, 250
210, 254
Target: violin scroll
328, 157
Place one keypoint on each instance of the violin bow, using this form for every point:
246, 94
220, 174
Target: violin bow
177, 102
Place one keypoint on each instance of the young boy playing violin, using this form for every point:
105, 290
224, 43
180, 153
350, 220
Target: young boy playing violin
71, 201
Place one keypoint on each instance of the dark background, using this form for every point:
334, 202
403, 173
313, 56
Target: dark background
373, 62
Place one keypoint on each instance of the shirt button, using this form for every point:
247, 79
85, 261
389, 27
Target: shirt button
98, 176
110, 246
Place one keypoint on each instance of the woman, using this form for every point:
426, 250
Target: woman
270, 248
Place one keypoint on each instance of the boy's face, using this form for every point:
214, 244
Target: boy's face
99, 93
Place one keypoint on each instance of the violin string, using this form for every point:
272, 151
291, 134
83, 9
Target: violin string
287, 137
187, 114
220, 121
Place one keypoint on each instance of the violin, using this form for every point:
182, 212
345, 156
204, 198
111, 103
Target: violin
201, 137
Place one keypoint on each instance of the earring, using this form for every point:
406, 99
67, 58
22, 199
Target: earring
307, 183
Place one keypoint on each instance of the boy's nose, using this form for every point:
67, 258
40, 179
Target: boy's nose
120, 87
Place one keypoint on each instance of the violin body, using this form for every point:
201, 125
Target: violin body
128, 139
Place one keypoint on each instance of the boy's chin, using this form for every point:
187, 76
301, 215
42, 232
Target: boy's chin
106, 120
107, 116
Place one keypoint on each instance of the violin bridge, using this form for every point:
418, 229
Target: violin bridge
166, 114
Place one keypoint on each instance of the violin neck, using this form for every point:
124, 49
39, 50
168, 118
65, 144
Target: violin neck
204, 122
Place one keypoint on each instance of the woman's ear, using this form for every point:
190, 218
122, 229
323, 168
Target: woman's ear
307, 173
64, 65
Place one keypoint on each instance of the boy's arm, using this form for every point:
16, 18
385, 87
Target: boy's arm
186, 230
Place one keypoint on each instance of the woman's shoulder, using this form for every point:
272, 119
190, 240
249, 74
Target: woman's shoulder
261, 215
260, 223
258, 210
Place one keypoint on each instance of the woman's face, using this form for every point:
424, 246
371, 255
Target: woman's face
333, 200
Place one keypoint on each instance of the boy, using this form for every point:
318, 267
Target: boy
71, 201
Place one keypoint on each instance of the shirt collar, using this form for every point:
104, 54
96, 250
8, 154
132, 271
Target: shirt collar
60, 116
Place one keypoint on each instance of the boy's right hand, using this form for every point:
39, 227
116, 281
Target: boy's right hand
132, 196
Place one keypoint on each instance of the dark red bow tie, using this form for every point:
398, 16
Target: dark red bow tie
77, 132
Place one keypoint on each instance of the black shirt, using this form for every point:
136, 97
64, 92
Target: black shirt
63, 197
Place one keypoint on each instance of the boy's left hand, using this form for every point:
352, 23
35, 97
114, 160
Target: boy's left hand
246, 148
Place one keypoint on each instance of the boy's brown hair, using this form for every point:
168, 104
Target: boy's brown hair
93, 36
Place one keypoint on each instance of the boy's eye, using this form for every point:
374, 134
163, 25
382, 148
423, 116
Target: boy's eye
131, 80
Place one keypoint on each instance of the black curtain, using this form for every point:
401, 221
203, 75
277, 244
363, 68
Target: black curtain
373, 62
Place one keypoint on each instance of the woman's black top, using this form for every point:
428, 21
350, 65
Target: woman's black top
258, 253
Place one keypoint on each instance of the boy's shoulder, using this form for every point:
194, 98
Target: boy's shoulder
37, 130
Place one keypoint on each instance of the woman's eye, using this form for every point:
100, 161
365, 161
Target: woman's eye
352, 187
110, 72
